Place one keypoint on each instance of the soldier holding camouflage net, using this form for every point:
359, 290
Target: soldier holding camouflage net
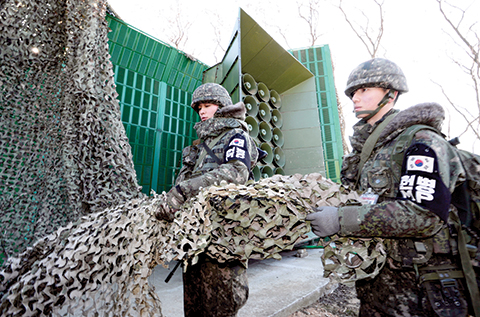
409, 203
224, 151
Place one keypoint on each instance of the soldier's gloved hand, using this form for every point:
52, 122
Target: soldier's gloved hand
164, 212
175, 198
324, 221
172, 202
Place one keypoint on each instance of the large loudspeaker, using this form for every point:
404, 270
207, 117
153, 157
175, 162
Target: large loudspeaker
277, 137
252, 126
278, 157
252, 105
279, 170
256, 173
265, 132
276, 120
267, 148
263, 93
264, 112
275, 99
266, 171
249, 85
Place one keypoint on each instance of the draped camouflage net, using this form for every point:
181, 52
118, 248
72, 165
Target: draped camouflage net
347, 259
255, 221
102, 262
63, 148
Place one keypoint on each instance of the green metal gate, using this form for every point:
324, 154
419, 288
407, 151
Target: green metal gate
155, 83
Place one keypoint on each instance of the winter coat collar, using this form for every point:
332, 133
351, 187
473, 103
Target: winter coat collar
229, 117
431, 114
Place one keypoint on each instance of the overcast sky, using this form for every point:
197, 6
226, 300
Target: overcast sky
414, 37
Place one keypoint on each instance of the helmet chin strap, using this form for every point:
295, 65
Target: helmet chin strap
383, 102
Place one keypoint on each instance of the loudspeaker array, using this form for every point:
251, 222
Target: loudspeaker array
264, 121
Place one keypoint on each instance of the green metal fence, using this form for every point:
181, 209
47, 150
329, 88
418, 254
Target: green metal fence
155, 83
318, 61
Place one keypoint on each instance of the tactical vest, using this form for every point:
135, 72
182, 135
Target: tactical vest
199, 164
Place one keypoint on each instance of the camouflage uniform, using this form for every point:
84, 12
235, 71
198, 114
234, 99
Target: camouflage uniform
411, 212
211, 288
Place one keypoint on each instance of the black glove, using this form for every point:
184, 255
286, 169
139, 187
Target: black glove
175, 198
172, 202
164, 212
324, 221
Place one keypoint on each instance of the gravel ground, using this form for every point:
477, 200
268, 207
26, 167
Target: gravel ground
342, 302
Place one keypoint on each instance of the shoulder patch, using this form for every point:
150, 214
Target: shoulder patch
237, 149
421, 181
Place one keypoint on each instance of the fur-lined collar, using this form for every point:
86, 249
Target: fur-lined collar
236, 111
229, 117
431, 114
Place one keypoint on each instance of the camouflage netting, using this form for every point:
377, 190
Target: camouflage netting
347, 259
64, 152
249, 222
102, 262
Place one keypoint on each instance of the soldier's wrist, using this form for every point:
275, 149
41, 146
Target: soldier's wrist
180, 192
349, 219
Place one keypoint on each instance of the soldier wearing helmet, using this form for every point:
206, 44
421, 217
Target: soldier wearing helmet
385, 77
224, 151
407, 177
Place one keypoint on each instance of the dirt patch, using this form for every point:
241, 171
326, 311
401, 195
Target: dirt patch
342, 302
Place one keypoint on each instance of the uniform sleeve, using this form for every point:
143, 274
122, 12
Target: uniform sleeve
189, 155
238, 159
429, 175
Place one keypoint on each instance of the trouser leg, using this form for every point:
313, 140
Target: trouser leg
214, 289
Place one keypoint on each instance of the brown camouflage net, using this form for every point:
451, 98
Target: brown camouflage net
347, 259
254, 221
102, 262
64, 152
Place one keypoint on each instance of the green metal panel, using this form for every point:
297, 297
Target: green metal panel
265, 59
154, 83
301, 130
318, 61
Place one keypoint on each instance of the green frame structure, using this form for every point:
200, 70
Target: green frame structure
318, 60
155, 83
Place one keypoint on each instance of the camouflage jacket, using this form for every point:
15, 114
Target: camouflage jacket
414, 200
235, 149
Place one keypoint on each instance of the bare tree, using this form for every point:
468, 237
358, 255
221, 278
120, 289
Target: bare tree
309, 13
370, 36
465, 35
177, 32
217, 25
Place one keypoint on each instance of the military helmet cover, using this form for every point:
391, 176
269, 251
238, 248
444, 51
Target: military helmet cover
211, 93
377, 72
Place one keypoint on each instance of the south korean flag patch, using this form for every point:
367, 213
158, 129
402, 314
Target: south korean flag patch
420, 163
421, 182
237, 150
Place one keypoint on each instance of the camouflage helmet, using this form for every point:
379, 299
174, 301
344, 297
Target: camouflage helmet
211, 93
377, 72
